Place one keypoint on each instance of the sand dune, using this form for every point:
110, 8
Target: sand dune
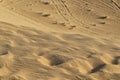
59, 39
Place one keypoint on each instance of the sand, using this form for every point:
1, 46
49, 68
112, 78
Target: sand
59, 40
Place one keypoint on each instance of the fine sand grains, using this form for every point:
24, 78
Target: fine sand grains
59, 40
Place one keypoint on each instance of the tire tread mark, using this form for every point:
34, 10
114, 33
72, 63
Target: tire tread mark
59, 11
115, 3
71, 15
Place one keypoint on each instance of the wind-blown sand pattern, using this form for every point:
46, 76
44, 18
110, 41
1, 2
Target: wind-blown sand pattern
59, 39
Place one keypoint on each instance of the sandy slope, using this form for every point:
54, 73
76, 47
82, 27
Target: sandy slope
59, 40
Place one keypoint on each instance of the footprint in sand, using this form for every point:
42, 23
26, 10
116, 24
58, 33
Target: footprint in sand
116, 61
5, 49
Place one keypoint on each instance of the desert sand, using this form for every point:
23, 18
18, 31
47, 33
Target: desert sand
59, 39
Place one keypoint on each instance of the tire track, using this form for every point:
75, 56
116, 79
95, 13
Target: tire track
59, 11
79, 22
65, 12
102, 2
116, 4
111, 7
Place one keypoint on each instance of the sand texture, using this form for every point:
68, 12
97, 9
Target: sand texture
59, 39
